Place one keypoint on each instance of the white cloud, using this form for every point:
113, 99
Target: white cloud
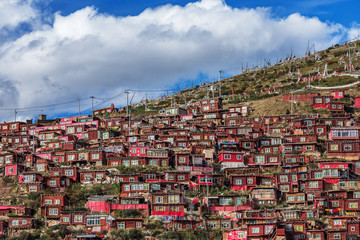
14, 12
87, 53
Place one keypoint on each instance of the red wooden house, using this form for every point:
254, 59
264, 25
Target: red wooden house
93, 176
52, 205
98, 223
167, 206
260, 231
129, 223
73, 217
211, 105
343, 149
344, 133
336, 107
321, 101
21, 222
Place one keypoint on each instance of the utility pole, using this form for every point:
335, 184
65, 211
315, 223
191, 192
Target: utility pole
292, 101
145, 101
79, 106
171, 97
130, 114
92, 104
350, 66
127, 102
212, 88
220, 72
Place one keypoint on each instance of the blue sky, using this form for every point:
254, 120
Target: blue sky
55, 51
339, 11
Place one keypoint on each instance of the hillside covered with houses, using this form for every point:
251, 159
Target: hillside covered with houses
264, 161
199, 172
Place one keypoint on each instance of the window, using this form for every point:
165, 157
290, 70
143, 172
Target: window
53, 211
318, 100
356, 194
267, 150
160, 208
290, 198
15, 222
99, 176
138, 224
177, 226
225, 224
32, 188
298, 228
48, 201
347, 147
174, 208
88, 176
238, 181
318, 174
78, 218
335, 204
212, 224
288, 149
227, 156
334, 147
71, 157
158, 199
127, 188
297, 148
52, 183
352, 184
66, 219
301, 198
57, 201
173, 199
93, 221
284, 188
284, 178
260, 159
95, 156
353, 205
255, 230
181, 177
320, 130
337, 236
40, 167
182, 160
273, 159
309, 147
69, 172
238, 157
249, 181
352, 229
313, 184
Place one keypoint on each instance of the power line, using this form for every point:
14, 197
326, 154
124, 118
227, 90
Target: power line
34, 107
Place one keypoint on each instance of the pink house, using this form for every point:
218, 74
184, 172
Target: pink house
357, 102
337, 94
138, 151
13, 170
